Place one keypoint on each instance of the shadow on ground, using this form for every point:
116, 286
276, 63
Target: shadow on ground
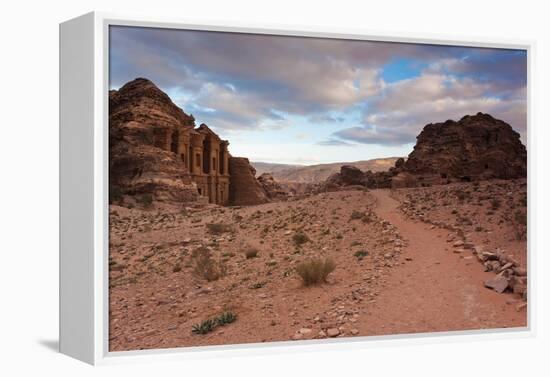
52, 345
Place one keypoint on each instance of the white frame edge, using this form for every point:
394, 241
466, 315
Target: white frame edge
84, 87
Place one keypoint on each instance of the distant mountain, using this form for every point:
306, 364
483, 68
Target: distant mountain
266, 167
318, 173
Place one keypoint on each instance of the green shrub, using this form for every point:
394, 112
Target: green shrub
210, 324
361, 254
204, 327
226, 318
315, 271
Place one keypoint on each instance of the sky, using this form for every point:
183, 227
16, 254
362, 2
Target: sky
297, 100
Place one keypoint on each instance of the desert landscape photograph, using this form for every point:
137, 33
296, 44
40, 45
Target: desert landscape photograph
269, 188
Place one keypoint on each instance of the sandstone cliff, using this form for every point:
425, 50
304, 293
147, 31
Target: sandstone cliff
244, 189
141, 167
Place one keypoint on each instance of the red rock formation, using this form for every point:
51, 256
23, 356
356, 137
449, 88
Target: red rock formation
475, 147
244, 189
272, 188
142, 120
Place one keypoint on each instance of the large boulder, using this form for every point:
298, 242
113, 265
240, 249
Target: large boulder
475, 147
244, 188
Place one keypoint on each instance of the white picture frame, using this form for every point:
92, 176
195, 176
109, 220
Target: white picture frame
84, 247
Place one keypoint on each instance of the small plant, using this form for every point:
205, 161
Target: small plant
217, 228
355, 243
204, 327
210, 324
251, 252
361, 254
315, 271
226, 318
258, 285
300, 238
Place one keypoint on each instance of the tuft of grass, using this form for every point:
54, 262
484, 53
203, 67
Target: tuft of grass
315, 271
361, 254
210, 324
205, 266
300, 238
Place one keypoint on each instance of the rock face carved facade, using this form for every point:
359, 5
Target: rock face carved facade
155, 149
207, 159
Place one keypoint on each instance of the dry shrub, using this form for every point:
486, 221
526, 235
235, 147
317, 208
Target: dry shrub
251, 252
218, 228
300, 238
315, 271
205, 266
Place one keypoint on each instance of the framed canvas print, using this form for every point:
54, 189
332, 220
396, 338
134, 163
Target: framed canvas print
227, 189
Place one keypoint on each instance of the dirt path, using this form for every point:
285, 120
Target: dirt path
435, 289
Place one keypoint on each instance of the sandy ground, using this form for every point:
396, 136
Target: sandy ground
409, 281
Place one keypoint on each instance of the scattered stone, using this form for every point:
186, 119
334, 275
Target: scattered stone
507, 266
498, 284
332, 332
519, 271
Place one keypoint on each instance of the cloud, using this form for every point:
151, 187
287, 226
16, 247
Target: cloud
405, 107
332, 142
236, 81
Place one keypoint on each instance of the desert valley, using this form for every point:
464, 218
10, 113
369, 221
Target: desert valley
207, 248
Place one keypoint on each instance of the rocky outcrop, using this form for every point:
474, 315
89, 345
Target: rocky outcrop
272, 188
244, 189
352, 176
403, 179
142, 120
475, 147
